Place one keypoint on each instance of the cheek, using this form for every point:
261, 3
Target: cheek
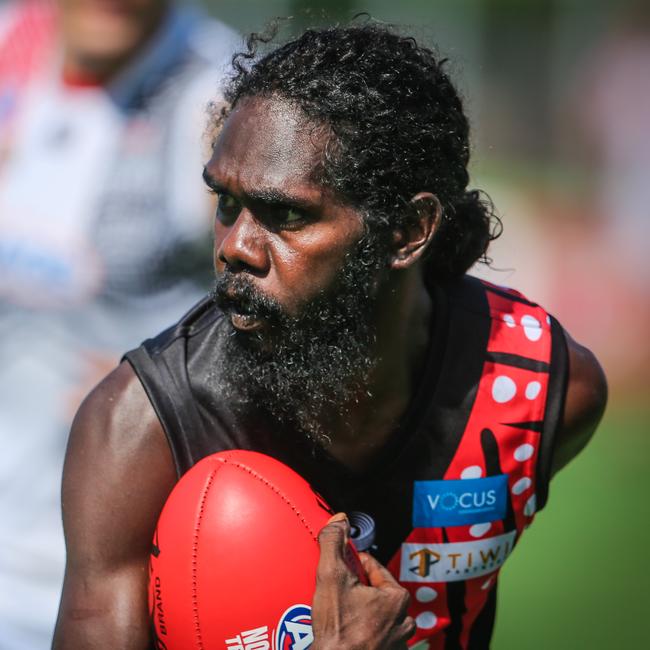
305, 269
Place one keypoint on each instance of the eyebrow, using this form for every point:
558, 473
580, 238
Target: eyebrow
269, 195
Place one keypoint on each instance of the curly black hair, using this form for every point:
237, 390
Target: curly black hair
397, 128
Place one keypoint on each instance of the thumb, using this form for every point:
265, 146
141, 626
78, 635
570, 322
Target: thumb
339, 516
333, 539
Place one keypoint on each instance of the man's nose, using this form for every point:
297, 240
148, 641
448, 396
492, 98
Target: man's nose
242, 246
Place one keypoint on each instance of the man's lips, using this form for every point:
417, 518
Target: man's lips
243, 311
246, 322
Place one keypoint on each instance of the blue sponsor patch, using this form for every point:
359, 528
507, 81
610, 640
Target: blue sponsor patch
459, 503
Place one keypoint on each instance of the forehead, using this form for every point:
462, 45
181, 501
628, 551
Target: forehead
267, 142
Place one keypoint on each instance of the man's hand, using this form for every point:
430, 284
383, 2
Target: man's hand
348, 615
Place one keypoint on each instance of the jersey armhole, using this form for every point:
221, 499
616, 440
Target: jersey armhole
556, 396
144, 366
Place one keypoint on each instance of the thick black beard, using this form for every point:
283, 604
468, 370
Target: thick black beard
301, 368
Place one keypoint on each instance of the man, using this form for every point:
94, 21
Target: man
101, 118
344, 338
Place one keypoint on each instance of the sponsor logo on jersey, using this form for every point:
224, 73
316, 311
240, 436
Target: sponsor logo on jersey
459, 503
294, 629
257, 639
454, 561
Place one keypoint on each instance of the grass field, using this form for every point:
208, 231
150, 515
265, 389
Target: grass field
580, 577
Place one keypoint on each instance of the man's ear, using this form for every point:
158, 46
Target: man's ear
411, 242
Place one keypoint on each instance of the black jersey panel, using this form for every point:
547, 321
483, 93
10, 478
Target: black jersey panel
161, 364
557, 388
462, 366
481, 633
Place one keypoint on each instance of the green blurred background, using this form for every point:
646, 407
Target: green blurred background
559, 96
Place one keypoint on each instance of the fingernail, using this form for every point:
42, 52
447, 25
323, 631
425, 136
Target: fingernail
339, 516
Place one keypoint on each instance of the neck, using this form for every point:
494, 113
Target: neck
405, 311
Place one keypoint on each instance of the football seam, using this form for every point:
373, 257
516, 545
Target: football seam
195, 545
275, 490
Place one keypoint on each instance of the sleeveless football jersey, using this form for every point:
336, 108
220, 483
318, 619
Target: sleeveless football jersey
459, 480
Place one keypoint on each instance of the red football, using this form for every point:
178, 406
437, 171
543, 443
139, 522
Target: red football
234, 557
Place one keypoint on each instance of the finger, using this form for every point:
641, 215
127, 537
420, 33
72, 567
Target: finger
339, 516
333, 539
405, 630
334, 536
378, 575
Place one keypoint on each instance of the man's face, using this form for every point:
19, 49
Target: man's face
275, 224
297, 275
103, 32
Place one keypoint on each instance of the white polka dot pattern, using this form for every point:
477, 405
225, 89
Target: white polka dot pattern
533, 389
521, 485
425, 594
531, 506
478, 530
524, 452
509, 320
473, 471
426, 620
532, 327
503, 389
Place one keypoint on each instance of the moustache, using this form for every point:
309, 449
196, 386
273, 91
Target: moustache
235, 293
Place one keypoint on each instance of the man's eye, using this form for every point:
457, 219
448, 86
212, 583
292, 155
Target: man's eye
228, 202
291, 215
281, 217
227, 209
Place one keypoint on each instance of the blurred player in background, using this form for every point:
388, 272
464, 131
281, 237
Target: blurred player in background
104, 235
344, 338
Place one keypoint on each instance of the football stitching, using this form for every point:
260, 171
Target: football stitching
274, 489
195, 545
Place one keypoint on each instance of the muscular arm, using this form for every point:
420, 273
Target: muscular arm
117, 475
584, 406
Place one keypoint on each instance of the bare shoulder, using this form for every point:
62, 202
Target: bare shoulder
585, 402
118, 447
116, 416
118, 473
